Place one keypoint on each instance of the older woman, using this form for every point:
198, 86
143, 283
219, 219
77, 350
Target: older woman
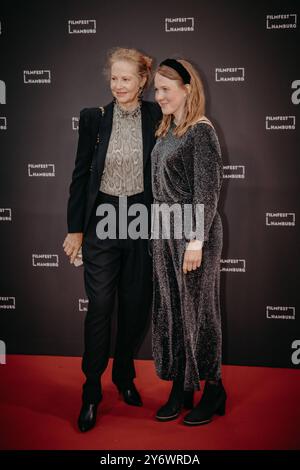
187, 170
113, 265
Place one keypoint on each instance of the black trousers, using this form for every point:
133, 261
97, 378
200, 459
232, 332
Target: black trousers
114, 268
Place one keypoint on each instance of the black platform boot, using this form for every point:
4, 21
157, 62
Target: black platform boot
177, 400
212, 402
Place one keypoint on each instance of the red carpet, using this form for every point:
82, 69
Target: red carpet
40, 400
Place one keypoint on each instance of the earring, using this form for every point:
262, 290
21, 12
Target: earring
140, 95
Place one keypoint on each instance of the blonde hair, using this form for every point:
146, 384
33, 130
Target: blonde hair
142, 62
195, 102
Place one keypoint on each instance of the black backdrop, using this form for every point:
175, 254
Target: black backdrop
52, 54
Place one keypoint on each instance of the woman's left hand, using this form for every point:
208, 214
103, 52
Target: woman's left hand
192, 260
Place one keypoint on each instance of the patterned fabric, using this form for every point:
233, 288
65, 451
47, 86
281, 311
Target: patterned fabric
123, 171
187, 339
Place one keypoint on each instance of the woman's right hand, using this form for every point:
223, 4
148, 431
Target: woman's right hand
72, 244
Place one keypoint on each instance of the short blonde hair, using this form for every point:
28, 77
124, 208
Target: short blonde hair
143, 62
195, 102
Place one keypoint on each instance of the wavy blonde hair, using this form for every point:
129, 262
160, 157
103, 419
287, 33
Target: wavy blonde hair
195, 103
143, 62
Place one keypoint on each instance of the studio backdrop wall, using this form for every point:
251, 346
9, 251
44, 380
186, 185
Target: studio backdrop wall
52, 55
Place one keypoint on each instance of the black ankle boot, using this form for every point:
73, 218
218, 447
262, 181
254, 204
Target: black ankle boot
212, 402
87, 416
177, 400
130, 394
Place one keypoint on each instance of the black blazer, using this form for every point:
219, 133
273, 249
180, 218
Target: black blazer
88, 171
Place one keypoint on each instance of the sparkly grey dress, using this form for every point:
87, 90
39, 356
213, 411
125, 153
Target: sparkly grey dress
186, 328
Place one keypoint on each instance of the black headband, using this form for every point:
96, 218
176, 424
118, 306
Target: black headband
180, 69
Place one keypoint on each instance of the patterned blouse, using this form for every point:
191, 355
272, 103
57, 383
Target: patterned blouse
123, 170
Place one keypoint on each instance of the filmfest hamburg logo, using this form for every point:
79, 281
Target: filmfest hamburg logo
274, 123
285, 219
43, 260
233, 265
8, 303
5, 214
75, 123
83, 305
283, 21
37, 76
41, 169
174, 25
280, 312
230, 74
234, 171
3, 123
81, 26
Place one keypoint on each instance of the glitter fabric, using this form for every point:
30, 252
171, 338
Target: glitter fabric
186, 328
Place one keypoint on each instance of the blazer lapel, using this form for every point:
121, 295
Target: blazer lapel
104, 136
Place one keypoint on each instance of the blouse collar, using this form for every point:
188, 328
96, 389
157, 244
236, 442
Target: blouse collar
124, 113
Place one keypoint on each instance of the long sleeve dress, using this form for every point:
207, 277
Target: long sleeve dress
186, 326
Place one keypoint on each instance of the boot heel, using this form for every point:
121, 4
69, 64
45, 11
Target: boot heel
221, 410
188, 400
